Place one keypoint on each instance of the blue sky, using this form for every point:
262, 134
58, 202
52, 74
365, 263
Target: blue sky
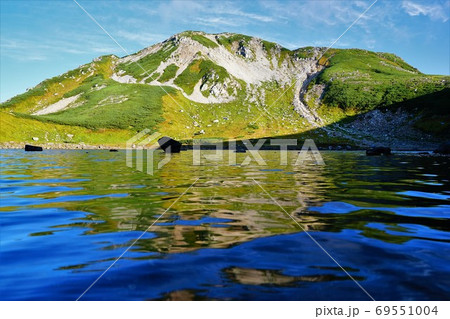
41, 39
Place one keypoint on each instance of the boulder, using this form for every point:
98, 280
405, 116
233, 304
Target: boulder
240, 149
113, 150
169, 145
444, 148
32, 148
200, 132
378, 150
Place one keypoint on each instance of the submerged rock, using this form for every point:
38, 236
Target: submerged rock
169, 145
378, 150
444, 148
32, 148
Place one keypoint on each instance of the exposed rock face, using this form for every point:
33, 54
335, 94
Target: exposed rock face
245, 61
388, 127
315, 94
58, 106
243, 51
300, 104
123, 78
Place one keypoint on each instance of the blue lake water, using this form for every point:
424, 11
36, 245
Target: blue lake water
66, 216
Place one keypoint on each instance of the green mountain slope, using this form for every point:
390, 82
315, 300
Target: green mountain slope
365, 80
227, 85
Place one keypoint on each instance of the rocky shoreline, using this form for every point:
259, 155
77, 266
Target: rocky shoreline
320, 146
60, 146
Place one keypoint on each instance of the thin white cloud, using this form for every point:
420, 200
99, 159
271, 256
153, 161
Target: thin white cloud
146, 8
30, 58
44, 49
213, 13
143, 38
241, 13
435, 11
258, 17
105, 50
217, 21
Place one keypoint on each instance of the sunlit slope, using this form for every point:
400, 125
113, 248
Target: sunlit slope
227, 85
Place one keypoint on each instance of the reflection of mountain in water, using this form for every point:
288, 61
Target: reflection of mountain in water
225, 207
66, 216
248, 276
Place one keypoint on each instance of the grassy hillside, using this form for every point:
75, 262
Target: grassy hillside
353, 82
123, 106
200, 39
184, 119
228, 40
51, 90
19, 129
363, 80
169, 73
200, 69
148, 64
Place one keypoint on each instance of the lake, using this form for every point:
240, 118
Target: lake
67, 215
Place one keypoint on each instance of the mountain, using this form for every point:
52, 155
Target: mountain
235, 86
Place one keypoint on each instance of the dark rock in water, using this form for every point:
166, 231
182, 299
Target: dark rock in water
113, 150
378, 150
240, 148
169, 145
444, 148
32, 148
